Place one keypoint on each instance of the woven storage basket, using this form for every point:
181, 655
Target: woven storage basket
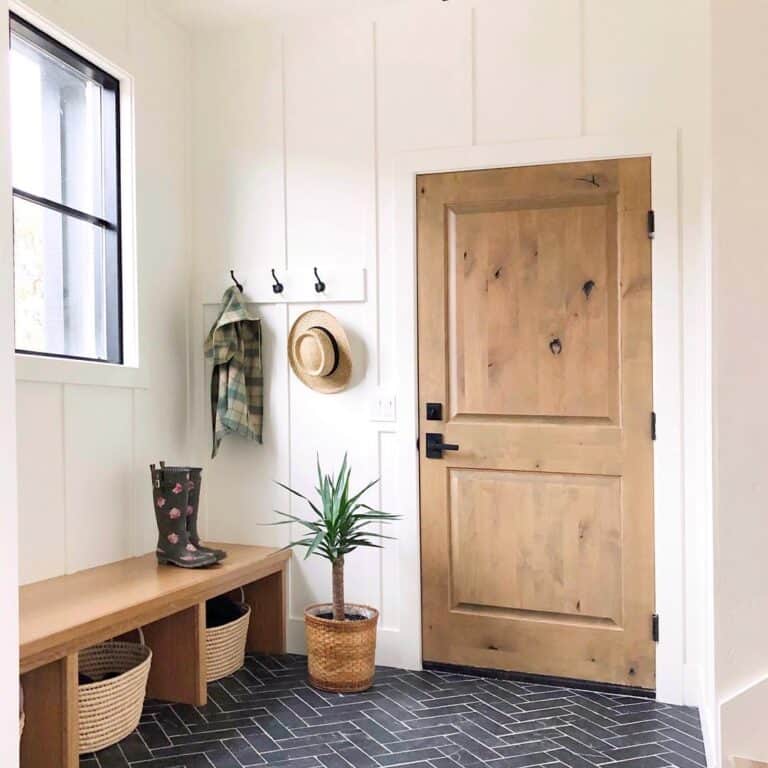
225, 645
341, 654
109, 710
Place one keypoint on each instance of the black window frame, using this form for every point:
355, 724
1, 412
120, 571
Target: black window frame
111, 224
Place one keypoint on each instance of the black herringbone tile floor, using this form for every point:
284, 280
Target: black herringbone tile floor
266, 715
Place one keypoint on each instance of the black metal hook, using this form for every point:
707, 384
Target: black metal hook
278, 286
319, 285
234, 280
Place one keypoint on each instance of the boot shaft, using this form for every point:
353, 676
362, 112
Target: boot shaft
193, 485
170, 491
193, 504
192, 478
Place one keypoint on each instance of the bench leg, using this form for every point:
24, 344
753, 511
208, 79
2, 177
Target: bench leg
50, 704
178, 657
266, 632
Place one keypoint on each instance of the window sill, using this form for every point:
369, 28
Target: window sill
61, 371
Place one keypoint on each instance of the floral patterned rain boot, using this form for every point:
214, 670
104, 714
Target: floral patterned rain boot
193, 505
170, 492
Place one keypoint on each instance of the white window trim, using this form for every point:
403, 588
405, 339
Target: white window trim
133, 371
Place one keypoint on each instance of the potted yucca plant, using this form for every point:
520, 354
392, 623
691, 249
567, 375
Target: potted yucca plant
341, 637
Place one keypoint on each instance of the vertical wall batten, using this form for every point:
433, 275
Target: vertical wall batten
427, 76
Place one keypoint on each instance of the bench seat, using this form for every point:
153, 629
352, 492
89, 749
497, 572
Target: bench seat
59, 617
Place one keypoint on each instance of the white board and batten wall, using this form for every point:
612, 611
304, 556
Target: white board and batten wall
86, 434
276, 145
740, 372
298, 129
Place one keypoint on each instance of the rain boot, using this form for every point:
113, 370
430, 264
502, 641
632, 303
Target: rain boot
195, 477
171, 496
193, 507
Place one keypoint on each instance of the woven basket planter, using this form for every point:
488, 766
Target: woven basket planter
341, 654
109, 710
225, 645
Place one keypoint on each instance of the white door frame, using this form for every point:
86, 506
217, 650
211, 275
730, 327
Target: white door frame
667, 371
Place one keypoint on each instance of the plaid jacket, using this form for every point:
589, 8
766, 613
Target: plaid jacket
237, 384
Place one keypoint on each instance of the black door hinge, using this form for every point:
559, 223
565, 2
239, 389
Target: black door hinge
655, 627
651, 224
417, 444
653, 425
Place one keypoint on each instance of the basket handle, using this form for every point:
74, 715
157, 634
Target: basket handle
242, 595
141, 636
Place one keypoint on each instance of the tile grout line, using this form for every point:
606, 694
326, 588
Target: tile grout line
574, 731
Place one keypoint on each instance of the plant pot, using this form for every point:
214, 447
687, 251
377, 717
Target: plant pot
341, 654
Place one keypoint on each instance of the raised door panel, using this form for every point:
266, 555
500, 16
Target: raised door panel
536, 545
524, 285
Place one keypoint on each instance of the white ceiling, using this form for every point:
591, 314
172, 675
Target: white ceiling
205, 14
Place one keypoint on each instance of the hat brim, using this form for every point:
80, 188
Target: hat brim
339, 379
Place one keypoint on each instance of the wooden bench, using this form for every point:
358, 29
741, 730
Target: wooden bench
61, 616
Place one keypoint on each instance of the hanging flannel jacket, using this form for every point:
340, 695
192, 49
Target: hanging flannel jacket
237, 384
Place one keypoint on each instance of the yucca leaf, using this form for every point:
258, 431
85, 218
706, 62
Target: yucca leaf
298, 543
342, 521
312, 525
365, 534
353, 546
360, 493
300, 495
315, 544
381, 517
379, 512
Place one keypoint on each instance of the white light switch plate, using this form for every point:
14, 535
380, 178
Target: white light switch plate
383, 407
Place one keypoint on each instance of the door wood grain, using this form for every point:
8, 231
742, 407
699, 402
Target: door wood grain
535, 334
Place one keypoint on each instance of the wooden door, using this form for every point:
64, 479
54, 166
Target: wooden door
535, 338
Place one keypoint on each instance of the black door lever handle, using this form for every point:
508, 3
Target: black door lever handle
436, 446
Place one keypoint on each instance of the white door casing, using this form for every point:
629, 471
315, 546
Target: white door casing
667, 371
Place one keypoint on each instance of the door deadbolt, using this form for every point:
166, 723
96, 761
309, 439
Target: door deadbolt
434, 411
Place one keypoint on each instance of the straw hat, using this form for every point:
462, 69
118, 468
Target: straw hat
319, 353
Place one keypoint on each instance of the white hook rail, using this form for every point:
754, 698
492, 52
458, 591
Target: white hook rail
341, 284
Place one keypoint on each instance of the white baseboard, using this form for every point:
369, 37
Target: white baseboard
742, 724
694, 696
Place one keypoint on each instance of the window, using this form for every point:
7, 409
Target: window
66, 201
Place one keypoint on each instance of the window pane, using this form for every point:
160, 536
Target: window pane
61, 283
56, 125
